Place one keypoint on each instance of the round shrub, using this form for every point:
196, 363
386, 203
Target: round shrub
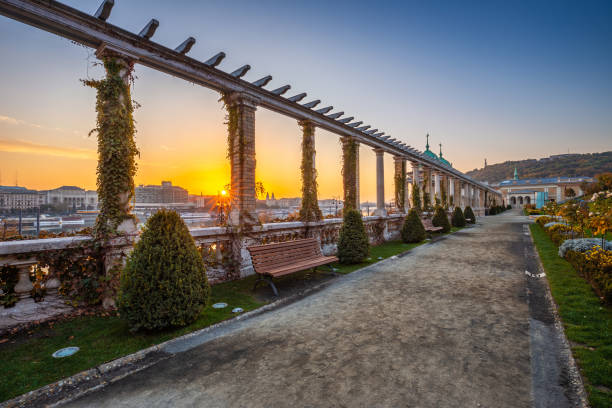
458, 218
353, 244
440, 219
583, 245
469, 215
164, 281
544, 219
413, 230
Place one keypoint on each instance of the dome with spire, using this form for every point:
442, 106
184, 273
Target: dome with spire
428, 152
442, 159
434, 156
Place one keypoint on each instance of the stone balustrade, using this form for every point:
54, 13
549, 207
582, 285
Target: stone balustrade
218, 245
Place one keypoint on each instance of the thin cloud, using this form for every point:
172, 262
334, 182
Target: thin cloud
22, 146
18, 122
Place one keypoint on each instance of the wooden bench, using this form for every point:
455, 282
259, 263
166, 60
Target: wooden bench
429, 227
274, 260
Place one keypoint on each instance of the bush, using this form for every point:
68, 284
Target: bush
469, 215
413, 230
559, 232
458, 218
508, 207
595, 266
543, 220
440, 219
353, 244
164, 282
582, 245
550, 224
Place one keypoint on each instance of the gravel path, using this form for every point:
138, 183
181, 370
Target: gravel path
445, 326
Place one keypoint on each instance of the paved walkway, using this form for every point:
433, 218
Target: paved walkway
445, 326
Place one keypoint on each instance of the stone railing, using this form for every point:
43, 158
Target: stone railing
221, 247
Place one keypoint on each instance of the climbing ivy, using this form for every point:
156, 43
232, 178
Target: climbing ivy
349, 172
232, 119
117, 149
416, 197
310, 210
400, 187
444, 195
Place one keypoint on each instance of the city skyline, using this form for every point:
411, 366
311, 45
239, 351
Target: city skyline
506, 83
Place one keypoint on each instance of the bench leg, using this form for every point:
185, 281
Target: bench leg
269, 280
331, 270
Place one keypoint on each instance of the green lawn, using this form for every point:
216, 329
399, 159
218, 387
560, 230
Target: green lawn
588, 323
26, 363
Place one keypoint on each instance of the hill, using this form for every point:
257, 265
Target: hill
564, 165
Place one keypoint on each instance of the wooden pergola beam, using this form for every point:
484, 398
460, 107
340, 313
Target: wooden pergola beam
94, 32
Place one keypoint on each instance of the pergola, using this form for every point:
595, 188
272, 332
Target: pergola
130, 48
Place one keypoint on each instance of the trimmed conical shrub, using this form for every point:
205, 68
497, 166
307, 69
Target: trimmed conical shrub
440, 219
458, 218
164, 281
413, 230
469, 215
353, 244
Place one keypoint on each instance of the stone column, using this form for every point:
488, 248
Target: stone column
112, 60
426, 187
437, 186
401, 202
416, 181
451, 191
242, 158
309, 210
350, 172
380, 183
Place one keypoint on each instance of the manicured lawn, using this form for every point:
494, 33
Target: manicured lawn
587, 322
26, 363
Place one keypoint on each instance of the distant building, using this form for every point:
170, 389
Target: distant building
538, 191
165, 193
12, 198
70, 196
206, 202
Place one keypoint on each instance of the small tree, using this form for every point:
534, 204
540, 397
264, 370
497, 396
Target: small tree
353, 244
413, 230
469, 215
458, 218
440, 219
164, 281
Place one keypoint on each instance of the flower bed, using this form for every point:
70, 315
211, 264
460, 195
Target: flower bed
594, 265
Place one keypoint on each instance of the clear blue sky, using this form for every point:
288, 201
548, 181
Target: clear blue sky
504, 80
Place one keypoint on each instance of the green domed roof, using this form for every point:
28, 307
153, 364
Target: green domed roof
428, 152
432, 155
442, 159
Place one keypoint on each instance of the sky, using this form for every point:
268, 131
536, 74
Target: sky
501, 80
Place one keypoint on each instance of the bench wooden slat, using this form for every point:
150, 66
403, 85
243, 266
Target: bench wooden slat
428, 224
288, 255
273, 260
301, 266
281, 245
